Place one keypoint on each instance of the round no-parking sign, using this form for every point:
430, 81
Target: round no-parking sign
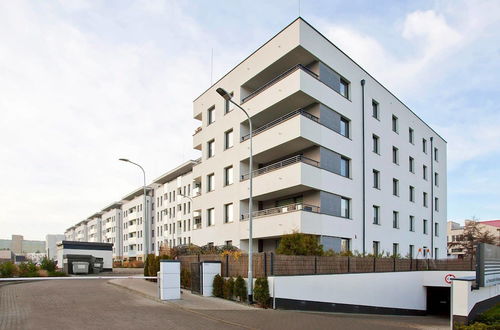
448, 278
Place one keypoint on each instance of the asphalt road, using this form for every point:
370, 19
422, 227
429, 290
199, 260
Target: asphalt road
95, 304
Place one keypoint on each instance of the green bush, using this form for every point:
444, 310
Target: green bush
48, 264
491, 316
298, 244
7, 269
240, 289
28, 269
229, 288
475, 326
217, 286
185, 278
261, 292
149, 265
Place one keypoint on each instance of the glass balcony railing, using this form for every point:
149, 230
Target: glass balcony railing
282, 209
280, 164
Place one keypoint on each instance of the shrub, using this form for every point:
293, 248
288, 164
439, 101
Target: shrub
185, 278
218, 285
149, 265
491, 316
298, 244
229, 288
261, 292
28, 269
48, 264
240, 289
7, 269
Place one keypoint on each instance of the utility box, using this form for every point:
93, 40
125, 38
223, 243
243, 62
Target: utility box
80, 267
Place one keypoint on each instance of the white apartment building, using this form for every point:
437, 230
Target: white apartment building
112, 228
336, 155
173, 216
94, 228
70, 234
455, 233
81, 231
137, 221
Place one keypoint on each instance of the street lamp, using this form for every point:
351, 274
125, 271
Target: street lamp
146, 222
228, 98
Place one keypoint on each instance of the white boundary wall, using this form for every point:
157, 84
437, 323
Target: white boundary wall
396, 290
209, 270
464, 298
170, 280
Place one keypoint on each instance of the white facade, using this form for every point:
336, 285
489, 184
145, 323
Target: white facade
112, 228
305, 97
81, 231
94, 228
51, 244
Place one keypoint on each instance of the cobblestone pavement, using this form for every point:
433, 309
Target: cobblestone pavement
95, 304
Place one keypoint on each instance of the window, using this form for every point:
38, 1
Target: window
436, 250
375, 109
210, 182
376, 215
228, 175
376, 146
229, 243
436, 179
411, 165
436, 229
229, 106
424, 146
436, 204
344, 167
228, 213
425, 226
228, 139
211, 217
210, 148
395, 249
211, 115
412, 194
344, 127
394, 124
411, 136
412, 223
395, 155
424, 172
345, 244
436, 158
376, 247
424, 199
344, 88
395, 187
376, 179
395, 219
411, 251
345, 207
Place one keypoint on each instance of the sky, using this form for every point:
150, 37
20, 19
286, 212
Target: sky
83, 83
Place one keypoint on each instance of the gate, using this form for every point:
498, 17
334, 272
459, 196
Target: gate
195, 278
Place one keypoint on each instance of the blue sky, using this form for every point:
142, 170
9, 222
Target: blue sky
86, 82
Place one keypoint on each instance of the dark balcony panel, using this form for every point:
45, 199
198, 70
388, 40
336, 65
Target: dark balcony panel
329, 77
329, 118
330, 160
330, 203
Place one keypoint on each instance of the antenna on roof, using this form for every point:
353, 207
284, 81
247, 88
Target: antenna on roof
212, 68
299, 8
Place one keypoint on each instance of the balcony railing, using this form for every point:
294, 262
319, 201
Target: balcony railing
282, 209
279, 120
278, 165
198, 161
277, 79
196, 131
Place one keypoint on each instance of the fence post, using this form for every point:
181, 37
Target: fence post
394, 263
227, 265
471, 263
416, 261
428, 264
272, 263
198, 258
265, 264
315, 265
411, 263
348, 264
374, 263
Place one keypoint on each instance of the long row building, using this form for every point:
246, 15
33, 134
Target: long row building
335, 154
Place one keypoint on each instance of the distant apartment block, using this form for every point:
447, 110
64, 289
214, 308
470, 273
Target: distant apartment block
455, 233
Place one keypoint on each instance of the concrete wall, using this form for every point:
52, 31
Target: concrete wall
468, 303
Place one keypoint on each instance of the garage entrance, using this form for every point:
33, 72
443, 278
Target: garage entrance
438, 300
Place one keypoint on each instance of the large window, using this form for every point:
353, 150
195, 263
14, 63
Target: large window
345, 244
228, 213
345, 207
376, 215
228, 139
395, 249
411, 251
344, 88
344, 167
375, 110
376, 247
210, 182
376, 179
344, 127
210, 148
211, 115
211, 217
376, 145
228, 175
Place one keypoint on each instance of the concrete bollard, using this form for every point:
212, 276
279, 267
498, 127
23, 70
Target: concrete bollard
170, 280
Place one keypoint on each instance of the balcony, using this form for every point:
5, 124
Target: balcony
282, 209
197, 130
280, 164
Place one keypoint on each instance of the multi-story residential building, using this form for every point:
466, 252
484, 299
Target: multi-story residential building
81, 231
112, 228
455, 233
94, 228
70, 234
136, 224
173, 192
336, 155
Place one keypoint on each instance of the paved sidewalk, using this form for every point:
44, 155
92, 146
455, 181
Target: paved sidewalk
188, 300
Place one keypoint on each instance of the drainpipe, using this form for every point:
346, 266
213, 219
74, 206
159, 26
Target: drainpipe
432, 197
363, 148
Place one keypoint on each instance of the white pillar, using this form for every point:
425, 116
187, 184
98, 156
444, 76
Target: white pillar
170, 279
208, 271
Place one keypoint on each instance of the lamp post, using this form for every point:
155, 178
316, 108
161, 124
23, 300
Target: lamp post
146, 221
228, 98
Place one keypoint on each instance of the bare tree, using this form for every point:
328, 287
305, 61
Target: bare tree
472, 236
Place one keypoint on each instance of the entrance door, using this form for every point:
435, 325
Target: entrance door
195, 278
438, 300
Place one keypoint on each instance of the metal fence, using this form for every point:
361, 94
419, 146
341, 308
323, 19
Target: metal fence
270, 264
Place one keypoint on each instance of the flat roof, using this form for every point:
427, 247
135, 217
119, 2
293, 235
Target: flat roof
178, 171
138, 192
111, 206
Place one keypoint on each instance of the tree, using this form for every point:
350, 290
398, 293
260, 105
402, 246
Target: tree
298, 244
473, 234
